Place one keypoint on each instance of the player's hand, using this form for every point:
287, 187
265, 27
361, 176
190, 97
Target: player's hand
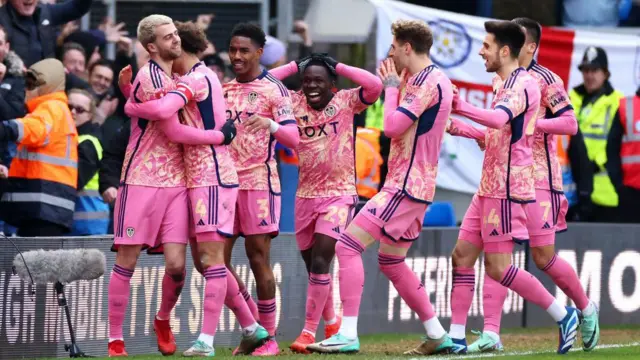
389, 75
303, 62
256, 123
4, 172
229, 131
3, 71
329, 61
125, 76
109, 195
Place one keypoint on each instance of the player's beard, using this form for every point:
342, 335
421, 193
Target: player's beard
493, 66
170, 54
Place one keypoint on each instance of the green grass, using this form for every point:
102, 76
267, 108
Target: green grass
617, 343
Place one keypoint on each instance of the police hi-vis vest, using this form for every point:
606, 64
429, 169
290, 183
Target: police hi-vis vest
91, 216
630, 147
594, 120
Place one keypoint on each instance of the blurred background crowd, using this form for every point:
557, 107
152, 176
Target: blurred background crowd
95, 40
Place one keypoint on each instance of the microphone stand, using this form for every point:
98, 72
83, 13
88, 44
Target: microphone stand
73, 349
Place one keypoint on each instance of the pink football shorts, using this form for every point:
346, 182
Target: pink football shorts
543, 216
257, 212
492, 224
150, 217
212, 212
327, 216
399, 217
561, 223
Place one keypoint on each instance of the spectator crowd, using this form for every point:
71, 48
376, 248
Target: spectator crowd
63, 134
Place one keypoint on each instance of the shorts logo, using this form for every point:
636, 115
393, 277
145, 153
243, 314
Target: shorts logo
263, 223
253, 96
330, 110
130, 231
372, 211
200, 223
336, 229
546, 226
494, 233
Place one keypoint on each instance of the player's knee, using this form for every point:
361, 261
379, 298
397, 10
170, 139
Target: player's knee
175, 269
541, 257
458, 257
343, 249
320, 265
127, 257
495, 269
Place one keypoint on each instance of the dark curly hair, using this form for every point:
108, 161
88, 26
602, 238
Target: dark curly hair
251, 31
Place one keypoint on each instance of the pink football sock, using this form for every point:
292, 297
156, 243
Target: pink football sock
493, 299
252, 304
317, 292
349, 253
407, 284
566, 278
463, 289
527, 286
171, 289
329, 313
214, 295
236, 303
119, 289
267, 311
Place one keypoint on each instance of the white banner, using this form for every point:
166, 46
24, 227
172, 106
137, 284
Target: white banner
457, 41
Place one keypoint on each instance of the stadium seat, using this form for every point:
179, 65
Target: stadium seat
440, 214
289, 184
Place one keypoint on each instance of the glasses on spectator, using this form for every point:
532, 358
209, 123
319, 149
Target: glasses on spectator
78, 109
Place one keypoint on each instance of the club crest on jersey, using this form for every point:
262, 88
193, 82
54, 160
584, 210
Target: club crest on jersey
130, 231
253, 96
330, 110
451, 43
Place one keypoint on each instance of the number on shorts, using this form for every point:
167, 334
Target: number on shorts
263, 206
201, 209
547, 206
342, 215
493, 218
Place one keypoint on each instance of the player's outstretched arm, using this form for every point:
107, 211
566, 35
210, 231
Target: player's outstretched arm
493, 118
163, 108
462, 129
563, 124
371, 84
284, 71
184, 134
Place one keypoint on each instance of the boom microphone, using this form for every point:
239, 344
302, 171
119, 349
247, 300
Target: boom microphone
63, 266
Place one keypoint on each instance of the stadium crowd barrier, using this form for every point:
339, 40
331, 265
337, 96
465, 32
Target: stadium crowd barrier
607, 258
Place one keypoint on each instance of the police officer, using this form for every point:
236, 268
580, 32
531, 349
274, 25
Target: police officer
595, 103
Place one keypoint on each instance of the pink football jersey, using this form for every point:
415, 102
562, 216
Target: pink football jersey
413, 158
150, 159
507, 171
253, 154
554, 100
326, 156
206, 165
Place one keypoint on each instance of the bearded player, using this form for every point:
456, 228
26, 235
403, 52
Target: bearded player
153, 184
547, 215
415, 122
498, 212
261, 108
326, 194
212, 185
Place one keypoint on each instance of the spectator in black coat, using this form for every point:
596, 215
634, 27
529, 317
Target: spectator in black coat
30, 26
12, 92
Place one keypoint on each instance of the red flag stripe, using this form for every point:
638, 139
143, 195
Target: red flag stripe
556, 49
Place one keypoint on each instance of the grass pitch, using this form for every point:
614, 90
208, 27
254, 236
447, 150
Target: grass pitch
615, 343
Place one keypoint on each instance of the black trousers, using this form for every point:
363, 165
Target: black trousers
37, 227
630, 205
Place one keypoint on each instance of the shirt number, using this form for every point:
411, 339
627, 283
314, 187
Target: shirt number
547, 206
263, 206
493, 219
342, 215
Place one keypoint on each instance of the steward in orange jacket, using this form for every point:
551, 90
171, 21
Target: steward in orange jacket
41, 192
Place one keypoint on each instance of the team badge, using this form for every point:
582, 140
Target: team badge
451, 43
330, 110
253, 96
130, 232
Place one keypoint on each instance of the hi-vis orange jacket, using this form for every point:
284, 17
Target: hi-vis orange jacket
368, 161
43, 176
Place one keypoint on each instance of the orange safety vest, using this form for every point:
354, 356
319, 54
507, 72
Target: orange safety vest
43, 175
368, 161
630, 148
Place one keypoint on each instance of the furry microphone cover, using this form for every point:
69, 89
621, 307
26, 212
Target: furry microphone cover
65, 266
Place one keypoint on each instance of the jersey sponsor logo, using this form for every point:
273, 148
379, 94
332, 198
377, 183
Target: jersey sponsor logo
235, 115
330, 110
319, 130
